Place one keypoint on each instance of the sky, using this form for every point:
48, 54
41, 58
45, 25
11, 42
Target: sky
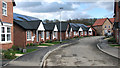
72, 9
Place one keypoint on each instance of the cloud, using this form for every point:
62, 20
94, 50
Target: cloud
44, 7
49, 9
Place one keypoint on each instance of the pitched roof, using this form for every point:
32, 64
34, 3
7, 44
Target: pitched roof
31, 25
99, 22
112, 19
76, 26
63, 26
49, 26
20, 17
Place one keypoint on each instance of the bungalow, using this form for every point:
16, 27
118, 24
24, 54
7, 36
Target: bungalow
79, 29
25, 30
6, 24
75, 29
103, 26
65, 28
51, 31
91, 31
116, 26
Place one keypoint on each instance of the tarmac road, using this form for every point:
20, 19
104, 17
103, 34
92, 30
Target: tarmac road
85, 53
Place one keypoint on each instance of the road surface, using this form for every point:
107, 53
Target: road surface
84, 53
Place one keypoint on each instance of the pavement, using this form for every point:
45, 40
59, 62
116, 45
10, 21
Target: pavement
84, 53
106, 48
34, 58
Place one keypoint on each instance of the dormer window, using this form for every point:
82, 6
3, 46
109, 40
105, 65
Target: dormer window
4, 8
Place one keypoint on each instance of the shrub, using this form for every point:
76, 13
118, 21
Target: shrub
76, 37
31, 44
15, 47
28, 45
35, 44
40, 42
8, 54
48, 41
112, 40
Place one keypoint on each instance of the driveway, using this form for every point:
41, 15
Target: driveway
84, 53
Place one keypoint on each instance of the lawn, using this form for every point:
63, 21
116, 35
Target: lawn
28, 51
52, 43
113, 45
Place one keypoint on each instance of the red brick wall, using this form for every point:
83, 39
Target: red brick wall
9, 19
62, 35
19, 36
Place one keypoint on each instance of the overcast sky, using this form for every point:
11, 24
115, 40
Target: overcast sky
72, 9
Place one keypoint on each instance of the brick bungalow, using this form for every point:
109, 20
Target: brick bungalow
65, 28
50, 30
6, 24
25, 29
91, 29
103, 26
116, 26
79, 29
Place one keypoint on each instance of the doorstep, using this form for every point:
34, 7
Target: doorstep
19, 55
42, 46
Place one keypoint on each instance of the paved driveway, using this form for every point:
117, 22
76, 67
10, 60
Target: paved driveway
85, 53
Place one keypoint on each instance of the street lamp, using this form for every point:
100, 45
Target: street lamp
60, 23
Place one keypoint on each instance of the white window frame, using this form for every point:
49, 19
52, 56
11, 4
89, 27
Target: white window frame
85, 33
29, 35
6, 33
4, 8
47, 35
81, 32
55, 34
66, 34
74, 33
42, 36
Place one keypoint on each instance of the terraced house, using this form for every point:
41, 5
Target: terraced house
6, 23
116, 27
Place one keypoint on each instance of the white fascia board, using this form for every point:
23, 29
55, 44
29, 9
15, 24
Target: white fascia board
71, 30
90, 29
80, 29
41, 27
55, 28
7, 24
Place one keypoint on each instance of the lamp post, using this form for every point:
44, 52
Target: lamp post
60, 23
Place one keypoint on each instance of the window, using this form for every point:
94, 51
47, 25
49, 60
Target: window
55, 34
5, 34
33, 33
28, 35
85, 33
42, 35
74, 33
105, 27
47, 34
4, 8
82, 33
